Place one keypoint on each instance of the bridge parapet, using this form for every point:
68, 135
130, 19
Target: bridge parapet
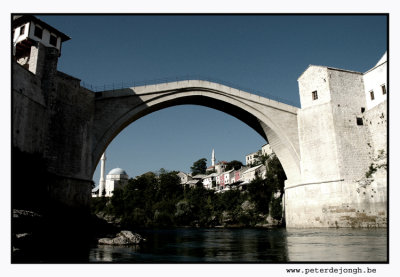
201, 85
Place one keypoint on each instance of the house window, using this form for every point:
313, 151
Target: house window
53, 40
383, 89
314, 95
22, 30
360, 121
371, 93
38, 32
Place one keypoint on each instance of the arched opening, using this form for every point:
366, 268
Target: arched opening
185, 132
181, 209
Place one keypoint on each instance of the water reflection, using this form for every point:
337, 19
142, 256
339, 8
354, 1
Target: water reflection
347, 245
108, 253
250, 245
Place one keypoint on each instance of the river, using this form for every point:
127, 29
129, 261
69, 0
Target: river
277, 245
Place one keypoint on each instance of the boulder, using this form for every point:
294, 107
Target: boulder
123, 238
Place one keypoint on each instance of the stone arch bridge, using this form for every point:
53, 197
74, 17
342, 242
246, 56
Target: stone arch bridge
274, 121
60, 130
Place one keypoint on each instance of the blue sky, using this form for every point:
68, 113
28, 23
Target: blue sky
261, 53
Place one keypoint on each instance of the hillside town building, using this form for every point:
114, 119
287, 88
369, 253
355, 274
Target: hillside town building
254, 172
209, 182
252, 158
184, 177
222, 180
266, 150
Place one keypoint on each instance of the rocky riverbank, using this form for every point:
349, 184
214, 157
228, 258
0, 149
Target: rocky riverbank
35, 235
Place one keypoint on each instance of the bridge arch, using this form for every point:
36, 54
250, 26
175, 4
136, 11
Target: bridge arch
274, 121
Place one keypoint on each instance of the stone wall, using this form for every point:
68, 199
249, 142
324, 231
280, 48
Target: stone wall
318, 145
71, 110
336, 204
29, 119
376, 121
338, 142
51, 124
352, 136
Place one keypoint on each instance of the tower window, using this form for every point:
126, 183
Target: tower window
22, 30
383, 89
53, 40
360, 121
314, 95
371, 93
362, 109
38, 32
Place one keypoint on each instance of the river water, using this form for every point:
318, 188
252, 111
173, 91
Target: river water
277, 245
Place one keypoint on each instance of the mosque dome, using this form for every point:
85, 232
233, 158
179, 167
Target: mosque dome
117, 171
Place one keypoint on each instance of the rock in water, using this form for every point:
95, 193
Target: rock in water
134, 238
123, 238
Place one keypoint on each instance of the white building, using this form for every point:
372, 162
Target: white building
375, 83
251, 158
251, 173
184, 177
266, 150
229, 176
209, 181
117, 178
194, 183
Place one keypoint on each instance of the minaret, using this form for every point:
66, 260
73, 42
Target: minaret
213, 158
102, 183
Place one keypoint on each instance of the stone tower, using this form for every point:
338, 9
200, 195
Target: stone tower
36, 45
213, 158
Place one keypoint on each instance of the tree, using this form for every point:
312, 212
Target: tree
260, 193
199, 167
276, 173
169, 187
233, 165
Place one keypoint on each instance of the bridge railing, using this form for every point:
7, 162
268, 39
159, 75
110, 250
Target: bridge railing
128, 84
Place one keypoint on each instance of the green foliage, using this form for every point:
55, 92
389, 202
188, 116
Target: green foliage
260, 192
98, 204
159, 200
276, 208
264, 159
371, 170
183, 214
275, 174
233, 165
199, 167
